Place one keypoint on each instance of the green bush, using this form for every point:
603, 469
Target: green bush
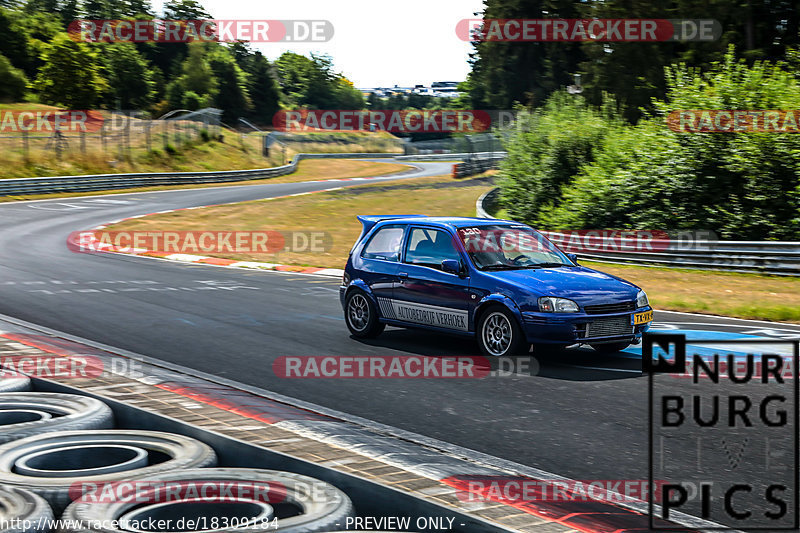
191, 101
14, 82
547, 152
739, 185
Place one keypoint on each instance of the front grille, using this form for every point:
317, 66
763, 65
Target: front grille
610, 308
609, 327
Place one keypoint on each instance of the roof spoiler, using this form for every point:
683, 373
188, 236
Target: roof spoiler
368, 221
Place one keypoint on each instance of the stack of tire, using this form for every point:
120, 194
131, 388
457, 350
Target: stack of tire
59, 451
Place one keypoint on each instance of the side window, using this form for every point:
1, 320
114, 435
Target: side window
385, 244
429, 247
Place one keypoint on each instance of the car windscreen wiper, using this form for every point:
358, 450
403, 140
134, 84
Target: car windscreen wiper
545, 265
499, 267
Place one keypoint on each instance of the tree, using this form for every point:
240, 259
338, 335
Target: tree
347, 96
137, 8
311, 82
14, 82
175, 94
97, 9
70, 11
129, 76
42, 6
231, 95
185, 10
14, 41
374, 101
70, 75
264, 92
528, 72
192, 101
197, 74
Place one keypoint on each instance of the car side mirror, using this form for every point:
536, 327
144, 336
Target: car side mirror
451, 266
573, 258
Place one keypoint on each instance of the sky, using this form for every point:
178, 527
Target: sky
375, 43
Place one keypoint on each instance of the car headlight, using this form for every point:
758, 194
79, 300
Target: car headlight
346, 279
641, 300
549, 304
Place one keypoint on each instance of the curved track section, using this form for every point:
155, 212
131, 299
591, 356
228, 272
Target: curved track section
565, 413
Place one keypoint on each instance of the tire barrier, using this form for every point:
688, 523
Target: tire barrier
21, 383
22, 511
51, 464
25, 414
95, 480
301, 504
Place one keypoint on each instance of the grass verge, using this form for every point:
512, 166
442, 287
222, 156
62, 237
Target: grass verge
333, 212
752, 296
749, 296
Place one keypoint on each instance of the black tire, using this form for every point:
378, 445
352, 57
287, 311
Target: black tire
166, 452
361, 315
498, 333
17, 505
321, 506
611, 347
19, 384
68, 412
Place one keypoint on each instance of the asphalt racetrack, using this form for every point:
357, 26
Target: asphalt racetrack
575, 413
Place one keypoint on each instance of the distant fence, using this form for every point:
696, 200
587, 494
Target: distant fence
114, 134
765, 257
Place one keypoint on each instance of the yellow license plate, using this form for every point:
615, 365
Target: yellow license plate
642, 318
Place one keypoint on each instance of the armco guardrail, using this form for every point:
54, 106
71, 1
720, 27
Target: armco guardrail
766, 257
102, 182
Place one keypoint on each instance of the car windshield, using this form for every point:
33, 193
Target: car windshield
502, 247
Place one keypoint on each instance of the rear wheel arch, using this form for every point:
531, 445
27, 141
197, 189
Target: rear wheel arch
358, 284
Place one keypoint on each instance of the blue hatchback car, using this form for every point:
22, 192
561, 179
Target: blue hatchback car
498, 280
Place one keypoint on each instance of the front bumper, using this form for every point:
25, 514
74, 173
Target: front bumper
572, 328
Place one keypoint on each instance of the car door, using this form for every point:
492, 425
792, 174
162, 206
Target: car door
425, 294
379, 262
